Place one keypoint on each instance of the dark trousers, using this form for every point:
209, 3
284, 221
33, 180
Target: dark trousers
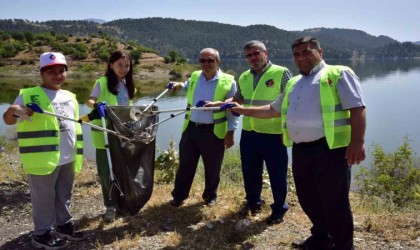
257, 148
104, 178
196, 142
322, 179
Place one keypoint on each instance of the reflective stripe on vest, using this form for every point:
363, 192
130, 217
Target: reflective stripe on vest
39, 139
223, 86
336, 120
98, 139
267, 91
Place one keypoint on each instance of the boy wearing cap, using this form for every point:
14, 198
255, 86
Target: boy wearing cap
51, 152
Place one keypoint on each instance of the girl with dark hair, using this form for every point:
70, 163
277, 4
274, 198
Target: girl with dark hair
115, 88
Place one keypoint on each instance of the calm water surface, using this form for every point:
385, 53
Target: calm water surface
391, 90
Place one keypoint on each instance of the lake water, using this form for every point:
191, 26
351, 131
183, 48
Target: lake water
391, 90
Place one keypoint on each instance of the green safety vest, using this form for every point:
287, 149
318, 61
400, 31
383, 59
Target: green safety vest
39, 140
224, 85
336, 120
98, 138
267, 91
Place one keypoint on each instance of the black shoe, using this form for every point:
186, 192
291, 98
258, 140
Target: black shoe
48, 241
211, 202
313, 243
68, 232
176, 203
254, 211
275, 218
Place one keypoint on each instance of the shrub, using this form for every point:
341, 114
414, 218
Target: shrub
394, 176
174, 56
167, 163
136, 55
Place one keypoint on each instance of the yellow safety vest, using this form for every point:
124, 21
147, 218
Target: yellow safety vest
224, 85
336, 120
98, 138
267, 91
39, 140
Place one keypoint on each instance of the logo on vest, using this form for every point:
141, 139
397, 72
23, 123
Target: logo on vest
329, 81
35, 99
269, 83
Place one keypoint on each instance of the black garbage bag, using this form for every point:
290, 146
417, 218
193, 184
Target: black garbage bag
132, 161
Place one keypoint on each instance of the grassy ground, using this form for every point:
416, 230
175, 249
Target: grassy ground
193, 225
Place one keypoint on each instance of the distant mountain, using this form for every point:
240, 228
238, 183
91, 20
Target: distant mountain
100, 21
188, 37
348, 38
418, 42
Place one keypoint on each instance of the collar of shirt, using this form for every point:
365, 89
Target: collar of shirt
316, 69
215, 77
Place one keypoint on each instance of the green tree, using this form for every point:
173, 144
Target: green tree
136, 55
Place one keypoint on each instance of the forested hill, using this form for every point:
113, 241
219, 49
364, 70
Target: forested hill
189, 37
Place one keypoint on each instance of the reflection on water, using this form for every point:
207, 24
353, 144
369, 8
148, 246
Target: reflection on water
391, 90
363, 68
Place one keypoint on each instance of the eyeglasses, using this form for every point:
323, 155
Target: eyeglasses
201, 60
256, 53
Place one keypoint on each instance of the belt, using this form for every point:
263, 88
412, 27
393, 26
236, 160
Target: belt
323, 140
201, 125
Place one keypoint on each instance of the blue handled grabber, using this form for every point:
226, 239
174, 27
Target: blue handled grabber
100, 107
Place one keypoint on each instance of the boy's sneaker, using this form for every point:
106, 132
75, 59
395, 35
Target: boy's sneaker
48, 241
109, 214
68, 232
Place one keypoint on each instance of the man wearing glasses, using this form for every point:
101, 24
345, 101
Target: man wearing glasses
261, 139
205, 133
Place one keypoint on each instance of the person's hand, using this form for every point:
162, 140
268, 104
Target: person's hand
214, 104
94, 114
355, 153
229, 142
98, 107
238, 108
175, 86
23, 112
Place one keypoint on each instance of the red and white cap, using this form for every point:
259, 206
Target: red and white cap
52, 58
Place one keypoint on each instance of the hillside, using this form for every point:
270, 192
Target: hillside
31, 54
189, 37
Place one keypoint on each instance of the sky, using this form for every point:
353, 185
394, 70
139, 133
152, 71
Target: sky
399, 20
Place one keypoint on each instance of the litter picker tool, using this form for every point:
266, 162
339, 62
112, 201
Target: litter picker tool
199, 106
38, 109
167, 118
170, 85
176, 110
101, 110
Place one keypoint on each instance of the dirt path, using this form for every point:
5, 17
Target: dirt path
193, 226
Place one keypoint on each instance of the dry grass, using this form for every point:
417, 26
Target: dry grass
193, 225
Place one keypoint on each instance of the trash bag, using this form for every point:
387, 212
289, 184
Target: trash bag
132, 161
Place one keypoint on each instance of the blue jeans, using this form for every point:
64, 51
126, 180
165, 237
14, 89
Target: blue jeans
257, 148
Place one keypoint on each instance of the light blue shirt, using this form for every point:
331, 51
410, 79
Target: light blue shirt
205, 91
304, 114
122, 97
